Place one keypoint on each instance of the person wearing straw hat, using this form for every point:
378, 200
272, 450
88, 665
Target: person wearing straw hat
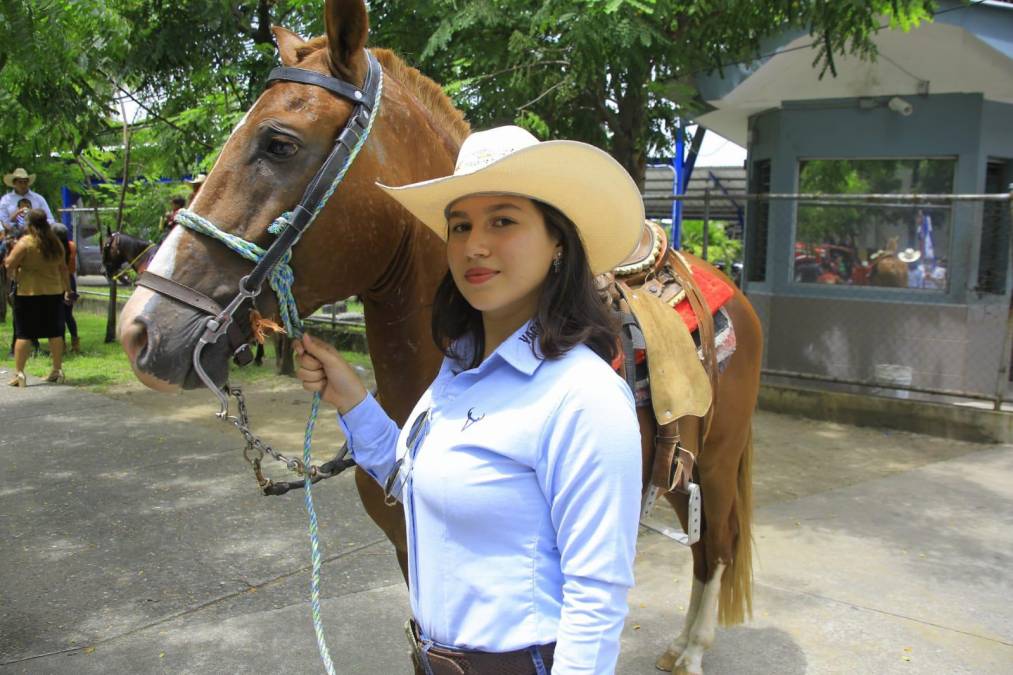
195, 186
21, 182
519, 469
915, 272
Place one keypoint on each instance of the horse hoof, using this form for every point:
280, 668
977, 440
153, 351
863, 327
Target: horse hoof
666, 662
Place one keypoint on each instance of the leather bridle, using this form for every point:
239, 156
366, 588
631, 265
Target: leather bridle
221, 321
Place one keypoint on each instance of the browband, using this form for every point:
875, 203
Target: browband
339, 87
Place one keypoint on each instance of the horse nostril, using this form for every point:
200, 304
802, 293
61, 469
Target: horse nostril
134, 338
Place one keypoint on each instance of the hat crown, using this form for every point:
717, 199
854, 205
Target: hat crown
19, 173
483, 148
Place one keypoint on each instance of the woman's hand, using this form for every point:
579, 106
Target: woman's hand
321, 369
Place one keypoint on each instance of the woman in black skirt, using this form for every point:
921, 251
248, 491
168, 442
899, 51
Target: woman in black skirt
37, 264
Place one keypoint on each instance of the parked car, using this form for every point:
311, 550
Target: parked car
89, 249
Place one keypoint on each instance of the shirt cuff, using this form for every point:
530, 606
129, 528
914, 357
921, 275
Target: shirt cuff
371, 436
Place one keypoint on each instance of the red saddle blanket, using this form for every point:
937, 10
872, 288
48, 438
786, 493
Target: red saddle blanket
716, 291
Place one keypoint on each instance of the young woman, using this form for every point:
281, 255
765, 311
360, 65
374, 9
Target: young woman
37, 263
519, 469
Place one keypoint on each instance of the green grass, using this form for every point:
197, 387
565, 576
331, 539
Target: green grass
101, 366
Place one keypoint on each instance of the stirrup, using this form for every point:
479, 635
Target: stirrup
688, 538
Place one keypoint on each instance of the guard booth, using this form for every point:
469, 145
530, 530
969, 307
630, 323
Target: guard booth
932, 115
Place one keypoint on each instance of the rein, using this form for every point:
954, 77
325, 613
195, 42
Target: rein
272, 265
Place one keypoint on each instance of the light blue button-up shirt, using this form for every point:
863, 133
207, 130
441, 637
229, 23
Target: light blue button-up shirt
9, 204
521, 502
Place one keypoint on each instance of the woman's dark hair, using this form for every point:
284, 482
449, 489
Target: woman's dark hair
38, 223
178, 202
570, 310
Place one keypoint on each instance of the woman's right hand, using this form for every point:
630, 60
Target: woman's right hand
322, 369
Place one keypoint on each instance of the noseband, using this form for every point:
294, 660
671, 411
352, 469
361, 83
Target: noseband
272, 263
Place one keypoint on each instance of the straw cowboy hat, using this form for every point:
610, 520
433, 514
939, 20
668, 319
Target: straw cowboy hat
200, 178
586, 184
909, 255
18, 173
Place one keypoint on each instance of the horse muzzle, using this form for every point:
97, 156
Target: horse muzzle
159, 337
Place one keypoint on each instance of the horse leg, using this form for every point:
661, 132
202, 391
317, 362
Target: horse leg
648, 430
390, 519
689, 432
722, 559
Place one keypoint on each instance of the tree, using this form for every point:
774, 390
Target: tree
614, 73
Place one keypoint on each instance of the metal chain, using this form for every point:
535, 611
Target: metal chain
242, 422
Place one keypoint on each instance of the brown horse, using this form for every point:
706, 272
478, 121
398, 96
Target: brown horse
122, 250
886, 269
364, 243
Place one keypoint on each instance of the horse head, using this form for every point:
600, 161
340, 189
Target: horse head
262, 172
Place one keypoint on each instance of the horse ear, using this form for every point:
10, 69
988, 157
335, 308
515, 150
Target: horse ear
347, 29
288, 43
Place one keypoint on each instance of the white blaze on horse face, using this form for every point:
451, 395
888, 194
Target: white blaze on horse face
164, 262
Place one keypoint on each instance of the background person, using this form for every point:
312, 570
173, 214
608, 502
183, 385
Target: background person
37, 263
21, 182
70, 256
169, 217
519, 469
915, 272
195, 186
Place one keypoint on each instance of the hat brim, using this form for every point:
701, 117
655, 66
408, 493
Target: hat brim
584, 183
9, 179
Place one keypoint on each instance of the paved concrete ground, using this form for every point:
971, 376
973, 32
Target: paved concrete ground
135, 542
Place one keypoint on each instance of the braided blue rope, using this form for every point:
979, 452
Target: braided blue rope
281, 280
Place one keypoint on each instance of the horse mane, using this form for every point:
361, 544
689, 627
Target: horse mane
427, 92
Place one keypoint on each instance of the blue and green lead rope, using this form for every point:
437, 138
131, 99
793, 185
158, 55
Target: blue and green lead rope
281, 280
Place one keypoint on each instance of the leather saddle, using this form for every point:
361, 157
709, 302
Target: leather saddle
643, 290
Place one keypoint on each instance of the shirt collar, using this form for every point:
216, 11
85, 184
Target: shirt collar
516, 350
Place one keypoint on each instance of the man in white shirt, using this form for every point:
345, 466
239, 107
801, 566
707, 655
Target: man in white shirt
21, 181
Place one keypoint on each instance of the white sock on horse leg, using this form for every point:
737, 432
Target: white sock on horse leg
704, 624
667, 660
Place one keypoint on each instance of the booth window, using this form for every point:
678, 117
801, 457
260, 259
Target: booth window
903, 243
993, 254
757, 217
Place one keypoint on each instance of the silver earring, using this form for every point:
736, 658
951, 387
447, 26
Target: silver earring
557, 262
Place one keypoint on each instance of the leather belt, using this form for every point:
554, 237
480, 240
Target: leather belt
431, 659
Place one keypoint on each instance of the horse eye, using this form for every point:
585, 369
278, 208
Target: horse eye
282, 148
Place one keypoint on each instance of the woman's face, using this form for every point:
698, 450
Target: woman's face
499, 251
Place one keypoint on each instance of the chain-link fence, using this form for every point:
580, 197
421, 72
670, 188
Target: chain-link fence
897, 292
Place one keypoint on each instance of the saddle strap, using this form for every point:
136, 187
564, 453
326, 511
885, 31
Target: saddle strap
705, 328
628, 323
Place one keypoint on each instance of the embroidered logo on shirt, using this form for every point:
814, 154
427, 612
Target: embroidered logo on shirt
529, 334
472, 419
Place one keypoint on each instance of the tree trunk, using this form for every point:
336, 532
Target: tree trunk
629, 127
283, 361
111, 311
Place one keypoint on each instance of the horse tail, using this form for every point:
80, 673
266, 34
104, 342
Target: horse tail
735, 603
